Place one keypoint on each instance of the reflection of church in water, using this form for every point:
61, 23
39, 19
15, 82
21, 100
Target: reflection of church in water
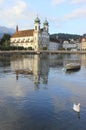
32, 65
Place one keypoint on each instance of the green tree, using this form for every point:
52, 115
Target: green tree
5, 40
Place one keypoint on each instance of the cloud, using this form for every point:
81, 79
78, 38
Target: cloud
78, 13
1, 2
16, 12
78, 1
19, 8
57, 2
55, 22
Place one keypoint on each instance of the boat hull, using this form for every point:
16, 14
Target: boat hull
72, 66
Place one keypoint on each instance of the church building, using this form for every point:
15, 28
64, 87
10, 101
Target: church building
37, 38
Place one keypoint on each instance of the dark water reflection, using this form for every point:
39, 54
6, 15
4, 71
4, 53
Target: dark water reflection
37, 94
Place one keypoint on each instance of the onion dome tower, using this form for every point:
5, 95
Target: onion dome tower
37, 24
46, 25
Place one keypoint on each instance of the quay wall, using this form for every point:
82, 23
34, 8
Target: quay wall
18, 52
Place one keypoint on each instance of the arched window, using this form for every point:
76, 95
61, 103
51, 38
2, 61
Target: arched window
35, 27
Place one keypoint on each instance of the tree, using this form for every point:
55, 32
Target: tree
5, 40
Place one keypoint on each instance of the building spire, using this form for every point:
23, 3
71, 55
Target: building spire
16, 28
37, 20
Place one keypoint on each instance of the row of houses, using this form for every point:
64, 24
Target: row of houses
72, 45
39, 38
75, 45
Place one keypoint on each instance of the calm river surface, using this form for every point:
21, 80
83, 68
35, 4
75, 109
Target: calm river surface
36, 93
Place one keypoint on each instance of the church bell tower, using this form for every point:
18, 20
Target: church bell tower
36, 33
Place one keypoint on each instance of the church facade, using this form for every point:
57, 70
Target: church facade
37, 38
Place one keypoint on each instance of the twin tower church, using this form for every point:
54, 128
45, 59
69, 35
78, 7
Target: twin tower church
37, 38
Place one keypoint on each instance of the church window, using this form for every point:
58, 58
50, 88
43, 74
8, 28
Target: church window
35, 27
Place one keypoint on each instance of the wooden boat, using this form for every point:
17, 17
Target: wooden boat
72, 66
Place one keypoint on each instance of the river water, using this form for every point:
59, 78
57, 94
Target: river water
36, 93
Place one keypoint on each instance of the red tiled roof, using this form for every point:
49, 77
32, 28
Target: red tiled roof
23, 33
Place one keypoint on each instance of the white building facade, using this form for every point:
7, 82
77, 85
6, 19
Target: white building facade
53, 46
69, 45
37, 38
83, 44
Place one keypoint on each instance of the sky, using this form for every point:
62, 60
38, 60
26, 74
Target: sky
64, 16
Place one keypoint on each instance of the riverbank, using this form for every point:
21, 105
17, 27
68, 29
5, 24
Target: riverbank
40, 52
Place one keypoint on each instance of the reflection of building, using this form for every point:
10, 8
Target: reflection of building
22, 63
83, 60
55, 61
36, 66
71, 58
41, 68
44, 69
22, 66
4, 61
36, 69
36, 38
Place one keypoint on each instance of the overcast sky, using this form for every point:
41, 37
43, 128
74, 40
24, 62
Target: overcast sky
64, 16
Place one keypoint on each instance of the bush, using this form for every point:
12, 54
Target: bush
61, 49
30, 48
44, 48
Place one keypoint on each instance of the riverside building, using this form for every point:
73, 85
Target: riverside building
37, 38
83, 43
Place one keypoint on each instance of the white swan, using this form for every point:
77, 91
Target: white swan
76, 107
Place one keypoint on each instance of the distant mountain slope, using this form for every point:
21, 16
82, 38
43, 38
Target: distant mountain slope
4, 30
62, 36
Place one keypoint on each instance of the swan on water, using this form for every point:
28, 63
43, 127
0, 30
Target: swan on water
76, 107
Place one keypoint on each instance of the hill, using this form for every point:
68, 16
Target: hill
62, 36
4, 30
